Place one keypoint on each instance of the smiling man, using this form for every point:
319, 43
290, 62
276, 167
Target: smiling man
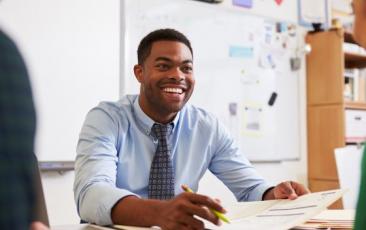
134, 155
162, 96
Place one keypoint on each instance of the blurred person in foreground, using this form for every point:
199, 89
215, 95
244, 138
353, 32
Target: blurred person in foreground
17, 131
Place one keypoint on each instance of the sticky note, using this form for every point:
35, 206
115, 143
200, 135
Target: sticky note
241, 52
243, 3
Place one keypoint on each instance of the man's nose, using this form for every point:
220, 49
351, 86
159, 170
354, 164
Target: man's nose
176, 74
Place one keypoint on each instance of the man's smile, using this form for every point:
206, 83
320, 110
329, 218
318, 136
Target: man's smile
173, 90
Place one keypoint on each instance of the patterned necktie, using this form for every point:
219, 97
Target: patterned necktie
161, 180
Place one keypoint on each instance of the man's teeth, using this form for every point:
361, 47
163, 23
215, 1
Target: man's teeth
173, 90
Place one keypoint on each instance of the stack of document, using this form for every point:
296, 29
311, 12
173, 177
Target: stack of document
333, 219
278, 214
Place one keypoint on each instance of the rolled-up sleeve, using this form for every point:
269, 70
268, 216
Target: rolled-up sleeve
234, 169
95, 188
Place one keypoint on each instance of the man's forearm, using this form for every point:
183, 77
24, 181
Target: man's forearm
134, 211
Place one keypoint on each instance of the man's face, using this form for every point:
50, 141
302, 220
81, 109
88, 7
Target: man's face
166, 79
359, 30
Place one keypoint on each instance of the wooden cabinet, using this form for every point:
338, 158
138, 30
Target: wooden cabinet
321, 185
325, 105
325, 132
325, 68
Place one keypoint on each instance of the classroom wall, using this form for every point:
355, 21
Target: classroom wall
18, 17
71, 49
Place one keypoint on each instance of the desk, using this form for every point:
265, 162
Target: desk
339, 215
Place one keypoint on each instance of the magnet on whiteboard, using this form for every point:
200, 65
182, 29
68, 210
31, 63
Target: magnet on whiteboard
272, 99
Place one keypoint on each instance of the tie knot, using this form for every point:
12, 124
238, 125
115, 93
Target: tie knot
161, 131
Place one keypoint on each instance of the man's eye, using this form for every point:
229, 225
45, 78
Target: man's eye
187, 69
162, 66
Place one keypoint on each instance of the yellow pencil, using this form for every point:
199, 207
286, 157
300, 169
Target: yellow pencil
220, 215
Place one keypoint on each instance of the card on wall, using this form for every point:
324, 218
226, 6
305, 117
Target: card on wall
243, 3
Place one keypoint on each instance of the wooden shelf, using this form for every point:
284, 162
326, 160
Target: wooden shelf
355, 105
326, 106
353, 60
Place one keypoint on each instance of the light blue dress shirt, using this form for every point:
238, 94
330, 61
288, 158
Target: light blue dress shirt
116, 148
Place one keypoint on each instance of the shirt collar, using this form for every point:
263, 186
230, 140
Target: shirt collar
145, 121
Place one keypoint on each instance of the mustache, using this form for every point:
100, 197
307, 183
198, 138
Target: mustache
171, 81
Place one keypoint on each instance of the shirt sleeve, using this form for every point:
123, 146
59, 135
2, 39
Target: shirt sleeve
95, 188
234, 169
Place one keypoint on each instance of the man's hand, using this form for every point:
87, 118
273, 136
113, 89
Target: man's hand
286, 190
177, 213
37, 225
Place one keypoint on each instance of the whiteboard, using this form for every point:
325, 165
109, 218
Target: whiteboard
71, 49
240, 60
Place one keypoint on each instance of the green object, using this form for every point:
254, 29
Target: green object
220, 215
360, 222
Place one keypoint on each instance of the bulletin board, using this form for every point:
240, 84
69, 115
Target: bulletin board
242, 66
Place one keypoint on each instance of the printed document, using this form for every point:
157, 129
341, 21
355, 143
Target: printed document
277, 214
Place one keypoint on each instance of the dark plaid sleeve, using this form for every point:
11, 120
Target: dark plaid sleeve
17, 130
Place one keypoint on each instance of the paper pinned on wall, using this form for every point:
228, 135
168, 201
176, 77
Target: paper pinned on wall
252, 120
249, 79
243, 3
241, 52
314, 11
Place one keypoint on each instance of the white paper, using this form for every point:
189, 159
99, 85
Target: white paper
314, 10
278, 214
348, 160
335, 215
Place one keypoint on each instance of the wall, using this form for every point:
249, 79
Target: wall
81, 38
71, 49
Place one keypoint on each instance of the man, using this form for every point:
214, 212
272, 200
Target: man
359, 7
17, 130
134, 155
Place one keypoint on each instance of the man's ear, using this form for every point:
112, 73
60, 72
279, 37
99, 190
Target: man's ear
137, 69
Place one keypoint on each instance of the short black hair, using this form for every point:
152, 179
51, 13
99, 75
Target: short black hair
144, 48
